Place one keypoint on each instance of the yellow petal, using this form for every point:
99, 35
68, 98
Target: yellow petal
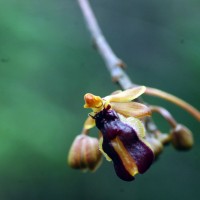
135, 123
127, 160
127, 95
102, 151
131, 109
89, 123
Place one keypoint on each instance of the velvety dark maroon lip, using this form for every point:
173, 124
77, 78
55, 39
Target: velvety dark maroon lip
140, 152
118, 165
108, 122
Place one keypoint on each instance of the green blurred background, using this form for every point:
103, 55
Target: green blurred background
47, 65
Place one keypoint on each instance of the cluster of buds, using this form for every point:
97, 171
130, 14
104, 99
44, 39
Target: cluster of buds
127, 135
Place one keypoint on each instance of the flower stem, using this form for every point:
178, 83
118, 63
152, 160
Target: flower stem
169, 97
165, 113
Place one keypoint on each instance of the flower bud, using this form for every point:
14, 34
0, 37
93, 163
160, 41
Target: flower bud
84, 153
182, 138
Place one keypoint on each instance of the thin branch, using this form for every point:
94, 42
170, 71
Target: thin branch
113, 63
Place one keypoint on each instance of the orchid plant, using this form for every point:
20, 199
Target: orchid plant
125, 137
127, 134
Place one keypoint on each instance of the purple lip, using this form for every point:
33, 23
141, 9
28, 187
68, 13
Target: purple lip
108, 122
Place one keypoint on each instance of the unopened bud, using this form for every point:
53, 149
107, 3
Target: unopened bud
84, 153
182, 138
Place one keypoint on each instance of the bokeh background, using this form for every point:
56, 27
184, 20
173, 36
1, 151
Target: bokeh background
47, 65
